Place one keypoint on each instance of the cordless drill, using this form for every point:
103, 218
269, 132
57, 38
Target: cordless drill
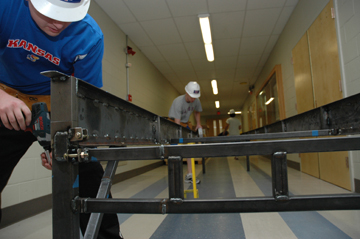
40, 126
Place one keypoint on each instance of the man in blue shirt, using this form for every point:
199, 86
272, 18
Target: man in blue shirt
36, 36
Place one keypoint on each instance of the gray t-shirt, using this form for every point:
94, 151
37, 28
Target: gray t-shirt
234, 124
182, 110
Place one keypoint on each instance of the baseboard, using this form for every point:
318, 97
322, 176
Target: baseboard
21, 211
357, 185
293, 164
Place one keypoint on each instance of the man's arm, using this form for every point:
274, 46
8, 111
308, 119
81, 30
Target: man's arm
177, 121
14, 114
197, 118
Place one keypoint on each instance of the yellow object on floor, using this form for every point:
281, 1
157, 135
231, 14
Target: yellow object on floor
194, 190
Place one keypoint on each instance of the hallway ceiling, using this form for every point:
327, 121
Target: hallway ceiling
168, 33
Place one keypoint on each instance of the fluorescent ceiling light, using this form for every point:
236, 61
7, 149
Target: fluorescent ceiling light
206, 35
236, 112
214, 87
217, 104
205, 28
209, 52
269, 101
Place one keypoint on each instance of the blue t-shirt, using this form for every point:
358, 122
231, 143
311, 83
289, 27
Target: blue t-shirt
25, 50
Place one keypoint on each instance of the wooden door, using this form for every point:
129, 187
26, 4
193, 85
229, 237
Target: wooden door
317, 82
216, 126
324, 58
334, 168
302, 75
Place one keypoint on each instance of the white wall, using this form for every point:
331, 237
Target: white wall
348, 30
348, 25
150, 91
300, 20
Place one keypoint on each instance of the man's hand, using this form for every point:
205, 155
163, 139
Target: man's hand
198, 126
44, 161
14, 114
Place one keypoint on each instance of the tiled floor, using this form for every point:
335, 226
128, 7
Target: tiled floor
227, 178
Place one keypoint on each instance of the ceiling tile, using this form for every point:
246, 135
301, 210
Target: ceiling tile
225, 62
260, 22
136, 33
174, 52
248, 60
291, 3
226, 5
271, 43
196, 50
164, 67
162, 31
145, 10
117, 10
226, 47
152, 53
260, 4
226, 25
189, 28
203, 65
253, 45
187, 7
284, 16
181, 65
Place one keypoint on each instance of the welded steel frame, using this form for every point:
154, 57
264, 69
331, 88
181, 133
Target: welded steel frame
84, 117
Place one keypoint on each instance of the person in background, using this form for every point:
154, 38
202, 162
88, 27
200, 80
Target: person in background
36, 36
233, 125
181, 109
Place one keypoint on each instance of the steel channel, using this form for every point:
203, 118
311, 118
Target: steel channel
245, 137
228, 149
238, 205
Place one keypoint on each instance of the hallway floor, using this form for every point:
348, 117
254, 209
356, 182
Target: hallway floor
224, 178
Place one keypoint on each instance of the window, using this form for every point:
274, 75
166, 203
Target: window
269, 100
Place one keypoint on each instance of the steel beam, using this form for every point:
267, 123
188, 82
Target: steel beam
268, 147
238, 205
341, 116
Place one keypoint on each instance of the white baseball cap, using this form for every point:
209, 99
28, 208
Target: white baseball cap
62, 10
232, 111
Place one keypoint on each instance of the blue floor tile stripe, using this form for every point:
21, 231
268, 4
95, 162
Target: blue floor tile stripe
304, 225
216, 183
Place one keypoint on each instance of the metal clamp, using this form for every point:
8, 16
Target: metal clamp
176, 200
77, 156
78, 134
163, 206
162, 151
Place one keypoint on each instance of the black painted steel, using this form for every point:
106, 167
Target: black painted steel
84, 117
175, 176
279, 176
238, 205
93, 227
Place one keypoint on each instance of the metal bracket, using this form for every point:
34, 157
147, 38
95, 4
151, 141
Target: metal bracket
162, 151
55, 75
163, 206
78, 134
177, 200
76, 205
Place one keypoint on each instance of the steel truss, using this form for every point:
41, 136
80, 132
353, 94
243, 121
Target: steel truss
84, 117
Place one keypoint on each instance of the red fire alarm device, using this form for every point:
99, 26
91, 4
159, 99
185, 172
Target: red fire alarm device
218, 113
129, 98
